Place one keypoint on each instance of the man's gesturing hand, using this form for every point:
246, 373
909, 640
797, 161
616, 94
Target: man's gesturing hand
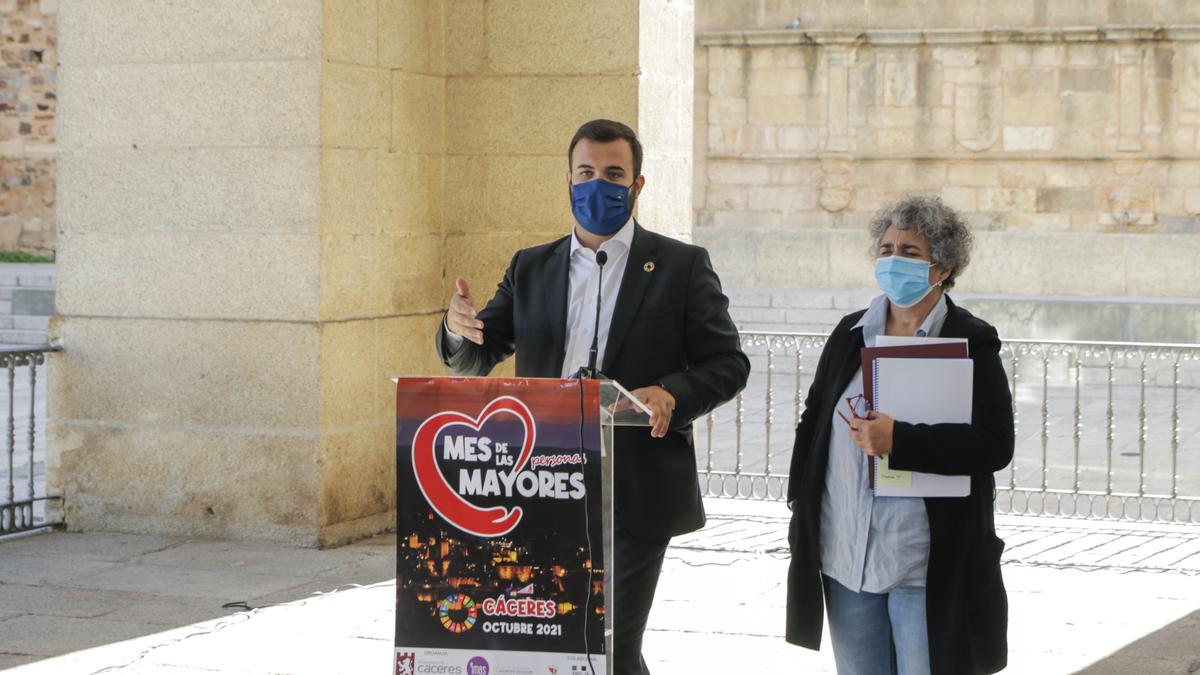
662, 406
460, 318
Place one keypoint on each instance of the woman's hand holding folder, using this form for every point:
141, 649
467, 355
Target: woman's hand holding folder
871, 431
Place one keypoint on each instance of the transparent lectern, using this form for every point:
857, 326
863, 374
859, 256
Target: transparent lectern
618, 408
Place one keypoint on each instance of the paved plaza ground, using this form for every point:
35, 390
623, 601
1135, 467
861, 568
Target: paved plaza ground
1092, 597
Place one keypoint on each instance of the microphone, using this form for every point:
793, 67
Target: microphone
601, 258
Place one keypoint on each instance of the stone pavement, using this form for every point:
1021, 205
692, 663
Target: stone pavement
1093, 597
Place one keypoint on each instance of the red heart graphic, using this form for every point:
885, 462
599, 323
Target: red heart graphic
445, 500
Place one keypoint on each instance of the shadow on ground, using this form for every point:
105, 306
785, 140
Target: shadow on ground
1162, 652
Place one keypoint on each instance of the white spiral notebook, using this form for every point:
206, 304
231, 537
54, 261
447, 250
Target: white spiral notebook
922, 391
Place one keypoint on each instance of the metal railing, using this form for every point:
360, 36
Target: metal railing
22, 466
1104, 429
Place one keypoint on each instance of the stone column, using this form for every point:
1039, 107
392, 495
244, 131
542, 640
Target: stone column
839, 60
261, 211
1129, 101
189, 293
382, 150
523, 76
665, 95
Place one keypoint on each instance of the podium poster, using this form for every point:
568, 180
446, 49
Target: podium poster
500, 538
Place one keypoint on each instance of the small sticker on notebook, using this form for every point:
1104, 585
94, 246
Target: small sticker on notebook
892, 478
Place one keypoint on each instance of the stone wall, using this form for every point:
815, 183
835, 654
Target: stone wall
737, 15
1073, 152
188, 300
28, 101
381, 243
263, 209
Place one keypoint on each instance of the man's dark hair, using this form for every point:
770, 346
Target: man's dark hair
607, 131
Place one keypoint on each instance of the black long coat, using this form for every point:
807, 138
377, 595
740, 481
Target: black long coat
967, 608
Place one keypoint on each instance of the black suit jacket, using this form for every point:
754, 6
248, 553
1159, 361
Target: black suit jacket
670, 326
967, 608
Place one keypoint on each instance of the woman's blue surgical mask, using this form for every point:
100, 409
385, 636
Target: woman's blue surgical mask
905, 281
599, 206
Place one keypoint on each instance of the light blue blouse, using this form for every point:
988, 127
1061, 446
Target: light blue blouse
867, 543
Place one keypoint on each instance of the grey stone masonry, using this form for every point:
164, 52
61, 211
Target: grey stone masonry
26, 302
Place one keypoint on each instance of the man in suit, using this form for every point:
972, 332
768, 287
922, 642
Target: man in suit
664, 333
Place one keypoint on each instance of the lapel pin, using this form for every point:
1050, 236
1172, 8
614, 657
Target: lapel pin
649, 267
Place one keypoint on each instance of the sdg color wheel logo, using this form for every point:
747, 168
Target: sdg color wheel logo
458, 613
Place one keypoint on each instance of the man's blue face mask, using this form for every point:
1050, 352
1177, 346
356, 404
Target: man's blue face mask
905, 281
601, 207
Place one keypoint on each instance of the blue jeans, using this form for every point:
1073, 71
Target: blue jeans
878, 633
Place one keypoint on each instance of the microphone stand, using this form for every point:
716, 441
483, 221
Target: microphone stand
590, 372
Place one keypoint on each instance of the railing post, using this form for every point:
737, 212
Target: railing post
1045, 416
1142, 430
1109, 428
34, 359
770, 416
12, 437
740, 411
799, 402
1016, 375
1077, 433
1174, 431
709, 421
